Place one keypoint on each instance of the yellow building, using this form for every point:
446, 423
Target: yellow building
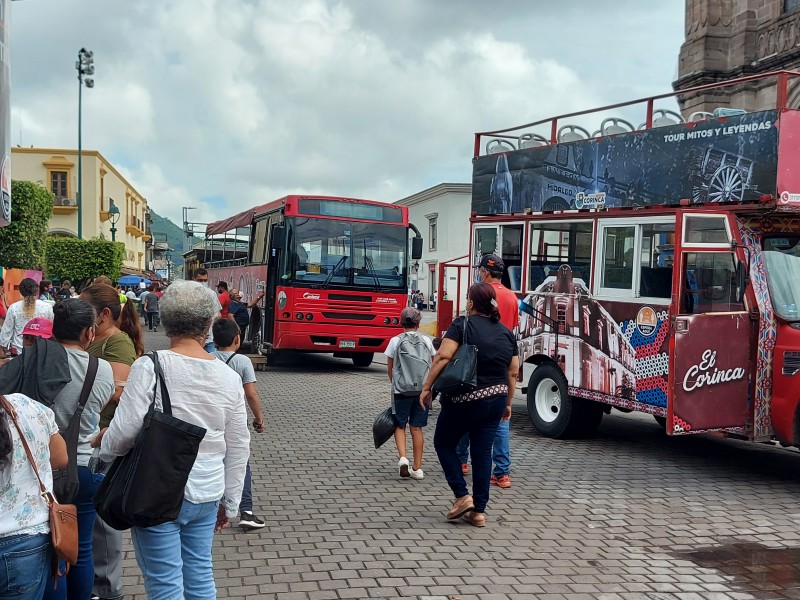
103, 187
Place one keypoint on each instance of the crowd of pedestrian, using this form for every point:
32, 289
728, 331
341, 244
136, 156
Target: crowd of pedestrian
74, 375
76, 363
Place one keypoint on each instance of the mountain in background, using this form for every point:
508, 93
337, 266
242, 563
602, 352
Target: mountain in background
162, 225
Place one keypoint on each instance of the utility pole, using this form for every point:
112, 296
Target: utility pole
85, 67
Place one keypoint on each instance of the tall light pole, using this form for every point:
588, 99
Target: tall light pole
113, 210
85, 67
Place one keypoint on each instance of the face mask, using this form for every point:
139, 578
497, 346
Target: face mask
478, 277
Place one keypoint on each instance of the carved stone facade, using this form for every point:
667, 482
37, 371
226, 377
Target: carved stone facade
726, 39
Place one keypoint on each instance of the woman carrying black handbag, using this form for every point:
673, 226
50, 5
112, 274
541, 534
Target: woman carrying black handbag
477, 409
204, 393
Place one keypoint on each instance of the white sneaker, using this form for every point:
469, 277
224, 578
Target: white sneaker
418, 474
402, 464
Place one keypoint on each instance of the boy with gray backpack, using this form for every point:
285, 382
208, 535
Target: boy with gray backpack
409, 357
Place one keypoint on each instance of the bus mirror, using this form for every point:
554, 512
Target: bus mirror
741, 281
416, 248
278, 237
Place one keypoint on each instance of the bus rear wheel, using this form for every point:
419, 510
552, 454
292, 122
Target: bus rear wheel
362, 359
553, 411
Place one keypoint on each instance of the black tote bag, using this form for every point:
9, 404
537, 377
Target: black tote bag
460, 375
145, 487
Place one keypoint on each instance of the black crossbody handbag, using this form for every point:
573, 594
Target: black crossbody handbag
145, 487
460, 375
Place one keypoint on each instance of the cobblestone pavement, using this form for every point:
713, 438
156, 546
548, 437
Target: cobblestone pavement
630, 513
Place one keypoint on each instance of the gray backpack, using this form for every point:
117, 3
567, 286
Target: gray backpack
412, 361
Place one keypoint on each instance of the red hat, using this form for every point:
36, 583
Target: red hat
40, 327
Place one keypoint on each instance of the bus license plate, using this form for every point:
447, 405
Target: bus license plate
347, 344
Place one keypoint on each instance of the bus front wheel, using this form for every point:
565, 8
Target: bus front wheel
553, 411
362, 359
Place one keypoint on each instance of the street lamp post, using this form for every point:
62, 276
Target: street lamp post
85, 67
113, 210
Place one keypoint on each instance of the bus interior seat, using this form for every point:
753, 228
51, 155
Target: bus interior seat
515, 277
615, 125
541, 271
656, 282
572, 133
666, 118
496, 146
618, 277
724, 111
700, 115
532, 140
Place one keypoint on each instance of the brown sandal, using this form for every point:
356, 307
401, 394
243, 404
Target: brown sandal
460, 507
475, 519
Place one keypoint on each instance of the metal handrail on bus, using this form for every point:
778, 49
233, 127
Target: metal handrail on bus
782, 77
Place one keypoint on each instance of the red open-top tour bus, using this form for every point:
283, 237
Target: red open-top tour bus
658, 266
335, 272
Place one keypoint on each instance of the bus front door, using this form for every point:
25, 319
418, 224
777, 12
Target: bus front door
711, 345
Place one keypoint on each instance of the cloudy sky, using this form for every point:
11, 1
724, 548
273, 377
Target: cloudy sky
225, 104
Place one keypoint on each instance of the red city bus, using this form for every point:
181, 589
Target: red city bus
335, 272
658, 267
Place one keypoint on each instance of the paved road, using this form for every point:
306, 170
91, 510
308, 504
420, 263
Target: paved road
630, 513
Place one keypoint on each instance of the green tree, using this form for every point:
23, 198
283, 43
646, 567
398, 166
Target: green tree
79, 260
21, 242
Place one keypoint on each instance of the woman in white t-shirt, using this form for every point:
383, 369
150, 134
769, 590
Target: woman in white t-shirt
24, 516
20, 313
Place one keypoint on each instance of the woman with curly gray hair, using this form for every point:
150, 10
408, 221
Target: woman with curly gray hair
175, 558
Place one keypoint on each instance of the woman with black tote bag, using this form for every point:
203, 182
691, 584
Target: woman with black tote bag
203, 392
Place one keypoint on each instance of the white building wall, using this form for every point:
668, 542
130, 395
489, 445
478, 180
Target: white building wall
449, 204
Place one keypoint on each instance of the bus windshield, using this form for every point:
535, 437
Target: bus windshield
328, 252
782, 263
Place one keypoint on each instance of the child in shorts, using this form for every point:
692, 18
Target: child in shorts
405, 395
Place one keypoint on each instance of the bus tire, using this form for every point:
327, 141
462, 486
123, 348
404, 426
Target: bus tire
362, 359
588, 415
662, 421
551, 409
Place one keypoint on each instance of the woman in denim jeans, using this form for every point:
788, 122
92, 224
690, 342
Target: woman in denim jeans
477, 413
24, 516
175, 557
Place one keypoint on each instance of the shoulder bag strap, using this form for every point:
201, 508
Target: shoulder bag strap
166, 405
466, 322
91, 374
13, 414
230, 358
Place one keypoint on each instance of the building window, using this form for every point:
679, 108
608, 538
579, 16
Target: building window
791, 5
58, 183
432, 233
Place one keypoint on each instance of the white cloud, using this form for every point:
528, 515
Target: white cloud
251, 100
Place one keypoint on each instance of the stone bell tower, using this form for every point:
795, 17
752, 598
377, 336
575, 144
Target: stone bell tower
726, 39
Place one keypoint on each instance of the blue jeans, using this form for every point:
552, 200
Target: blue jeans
80, 579
247, 491
501, 452
175, 557
479, 419
24, 566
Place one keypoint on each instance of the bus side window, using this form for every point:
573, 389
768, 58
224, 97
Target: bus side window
553, 244
655, 271
710, 283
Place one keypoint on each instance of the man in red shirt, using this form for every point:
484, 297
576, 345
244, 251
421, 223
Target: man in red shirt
490, 270
224, 299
